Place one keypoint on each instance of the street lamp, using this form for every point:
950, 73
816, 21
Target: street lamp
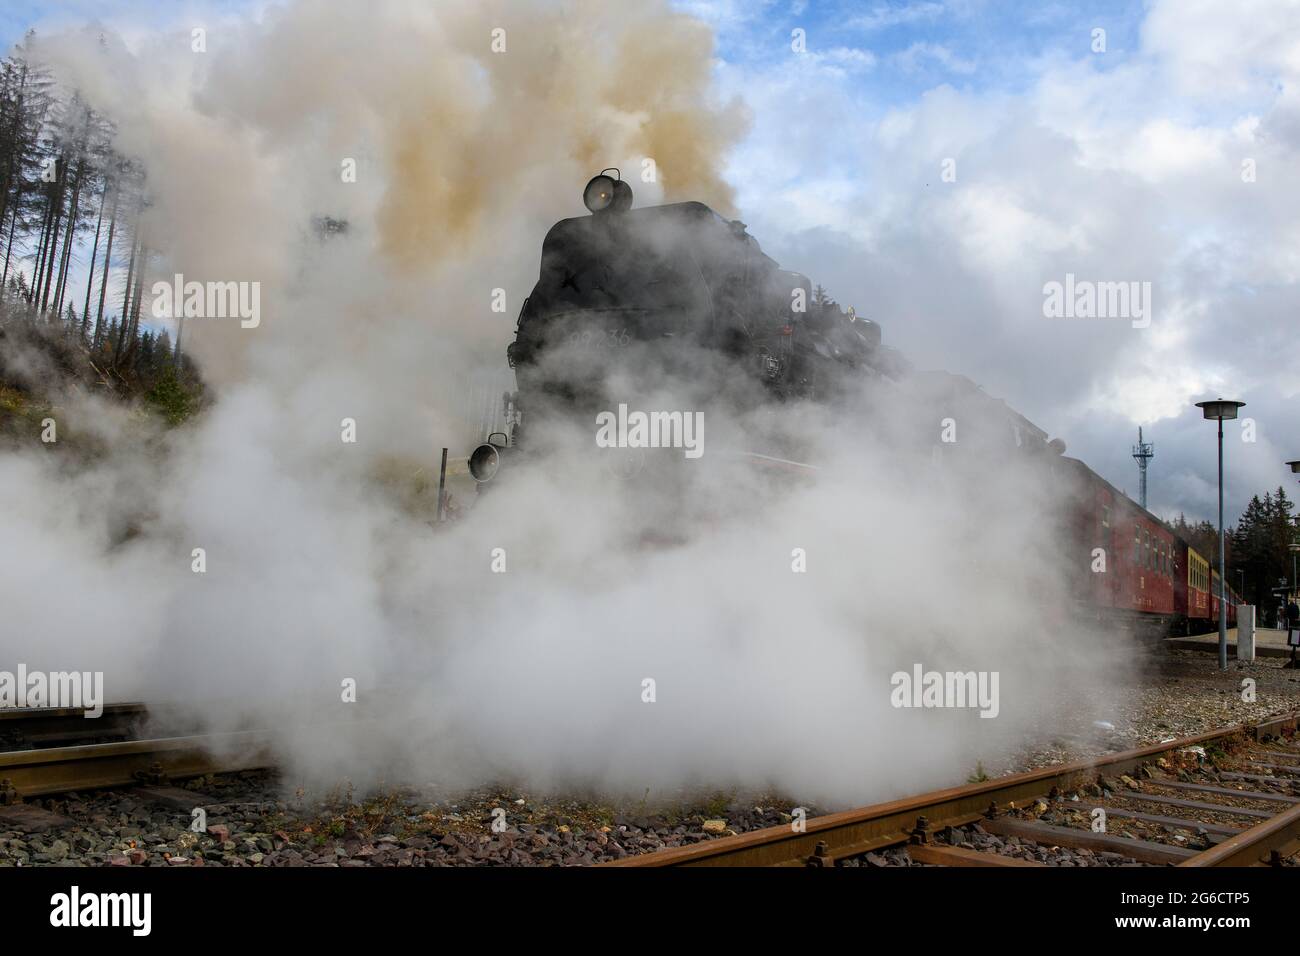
1294, 549
1295, 470
1219, 409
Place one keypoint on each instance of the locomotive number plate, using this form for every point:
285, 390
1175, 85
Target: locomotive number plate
596, 339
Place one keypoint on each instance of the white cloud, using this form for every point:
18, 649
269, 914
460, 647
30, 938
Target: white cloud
1215, 49
846, 59
1124, 167
920, 54
883, 16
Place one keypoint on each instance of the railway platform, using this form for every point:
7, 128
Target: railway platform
1269, 642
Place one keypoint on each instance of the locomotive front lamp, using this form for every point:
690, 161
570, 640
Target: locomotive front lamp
485, 462
1219, 410
599, 193
607, 193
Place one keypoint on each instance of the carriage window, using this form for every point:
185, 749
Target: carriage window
1137, 545
1105, 516
1146, 544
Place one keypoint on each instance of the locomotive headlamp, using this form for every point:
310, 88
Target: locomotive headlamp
484, 462
599, 193
607, 192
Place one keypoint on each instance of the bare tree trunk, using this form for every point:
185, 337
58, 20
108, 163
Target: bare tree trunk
47, 240
59, 190
13, 227
108, 258
68, 238
40, 255
126, 299
94, 254
134, 311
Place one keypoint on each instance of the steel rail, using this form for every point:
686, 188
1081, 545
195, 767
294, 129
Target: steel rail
19, 715
825, 839
50, 770
52, 726
1255, 846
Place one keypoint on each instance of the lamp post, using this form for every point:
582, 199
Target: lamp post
1295, 470
1294, 549
1219, 410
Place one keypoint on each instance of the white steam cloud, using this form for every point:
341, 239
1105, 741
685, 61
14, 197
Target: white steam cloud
316, 569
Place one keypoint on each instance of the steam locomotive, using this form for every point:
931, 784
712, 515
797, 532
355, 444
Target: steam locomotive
660, 286
669, 284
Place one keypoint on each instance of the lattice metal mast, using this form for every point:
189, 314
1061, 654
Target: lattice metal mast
1143, 451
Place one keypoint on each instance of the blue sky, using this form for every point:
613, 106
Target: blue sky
987, 40
17, 16
979, 43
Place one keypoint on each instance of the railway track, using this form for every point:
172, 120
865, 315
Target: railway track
1248, 817
1186, 811
54, 770
33, 728
49, 751
151, 762
52, 750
